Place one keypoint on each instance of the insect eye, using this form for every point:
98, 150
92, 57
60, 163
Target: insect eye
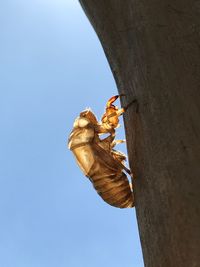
83, 114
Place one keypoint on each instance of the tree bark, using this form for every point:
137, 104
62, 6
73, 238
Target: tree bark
153, 48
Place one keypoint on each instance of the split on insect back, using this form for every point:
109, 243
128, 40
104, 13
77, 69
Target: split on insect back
98, 159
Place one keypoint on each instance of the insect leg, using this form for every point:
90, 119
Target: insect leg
116, 142
131, 186
111, 100
122, 110
127, 170
109, 139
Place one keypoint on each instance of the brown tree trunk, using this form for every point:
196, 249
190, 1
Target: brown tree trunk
153, 48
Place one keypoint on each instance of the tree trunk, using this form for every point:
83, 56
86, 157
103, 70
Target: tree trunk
153, 48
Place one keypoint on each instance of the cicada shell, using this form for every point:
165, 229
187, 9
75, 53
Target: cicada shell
96, 157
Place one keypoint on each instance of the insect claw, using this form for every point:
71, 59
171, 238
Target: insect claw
131, 186
111, 100
119, 141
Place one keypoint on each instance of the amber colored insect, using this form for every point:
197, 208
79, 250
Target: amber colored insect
98, 159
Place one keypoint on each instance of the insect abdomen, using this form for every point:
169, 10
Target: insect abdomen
114, 189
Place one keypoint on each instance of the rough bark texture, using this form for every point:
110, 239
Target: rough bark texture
153, 48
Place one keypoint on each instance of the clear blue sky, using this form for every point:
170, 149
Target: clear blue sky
52, 66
